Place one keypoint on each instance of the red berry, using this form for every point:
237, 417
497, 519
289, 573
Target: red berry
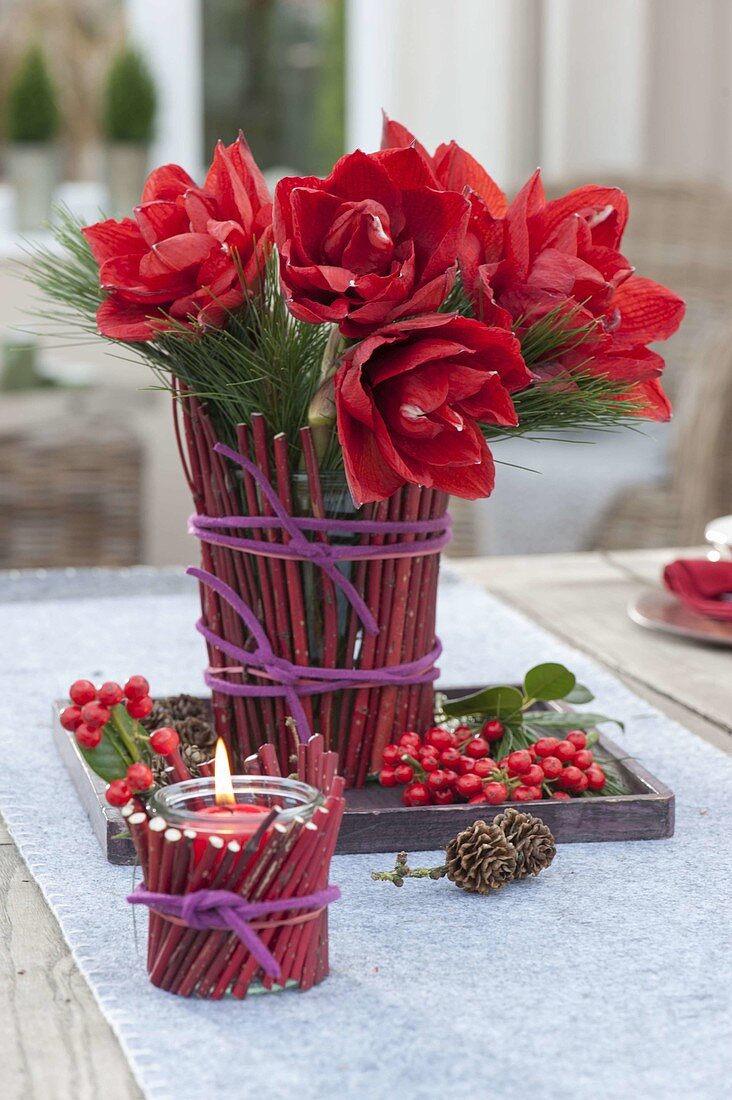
443, 797
450, 758
94, 714
139, 708
570, 778
439, 739
118, 792
110, 694
137, 687
451, 777
466, 765
535, 792
410, 742
70, 717
551, 766
468, 785
387, 777
583, 759
577, 738
429, 763
82, 691
534, 777
545, 746
392, 755
518, 762
531, 750
522, 794
88, 736
462, 734
477, 748
437, 780
493, 730
484, 767
565, 751
560, 796
404, 773
595, 777
495, 793
139, 777
165, 740
477, 798
503, 762
583, 783
416, 794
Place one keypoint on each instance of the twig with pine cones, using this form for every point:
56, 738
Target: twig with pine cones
484, 857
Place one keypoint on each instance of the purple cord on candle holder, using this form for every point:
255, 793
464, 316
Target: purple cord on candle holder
219, 910
294, 681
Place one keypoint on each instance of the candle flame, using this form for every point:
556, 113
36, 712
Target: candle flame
223, 787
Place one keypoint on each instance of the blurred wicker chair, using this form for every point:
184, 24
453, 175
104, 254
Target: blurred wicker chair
681, 235
69, 497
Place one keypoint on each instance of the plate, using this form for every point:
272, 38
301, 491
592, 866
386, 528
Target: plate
659, 610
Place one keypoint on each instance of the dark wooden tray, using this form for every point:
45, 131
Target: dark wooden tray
377, 821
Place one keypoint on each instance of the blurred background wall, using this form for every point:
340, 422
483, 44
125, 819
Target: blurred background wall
634, 91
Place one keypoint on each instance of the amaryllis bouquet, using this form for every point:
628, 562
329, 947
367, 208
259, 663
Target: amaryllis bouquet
389, 324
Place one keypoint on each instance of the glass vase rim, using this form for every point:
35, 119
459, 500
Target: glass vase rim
309, 798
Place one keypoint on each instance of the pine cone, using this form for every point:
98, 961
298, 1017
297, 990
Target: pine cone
196, 731
480, 859
174, 709
530, 837
194, 755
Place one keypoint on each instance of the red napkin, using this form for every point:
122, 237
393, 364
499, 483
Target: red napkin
701, 585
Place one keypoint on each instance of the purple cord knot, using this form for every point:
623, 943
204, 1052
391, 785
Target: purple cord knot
223, 909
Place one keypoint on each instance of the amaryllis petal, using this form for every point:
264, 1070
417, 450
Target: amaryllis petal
160, 219
121, 320
604, 208
471, 482
456, 170
648, 311
650, 396
166, 182
110, 238
396, 136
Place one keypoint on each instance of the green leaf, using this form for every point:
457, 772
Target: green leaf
105, 759
568, 720
495, 702
548, 682
579, 694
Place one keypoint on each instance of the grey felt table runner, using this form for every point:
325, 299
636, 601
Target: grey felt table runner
608, 976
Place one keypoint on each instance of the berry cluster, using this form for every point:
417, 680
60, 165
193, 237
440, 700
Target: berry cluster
92, 715
91, 708
448, 766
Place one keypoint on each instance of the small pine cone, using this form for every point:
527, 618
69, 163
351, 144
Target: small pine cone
195, 731
186, 706
160, 715
194, 755
530, 837
480, 859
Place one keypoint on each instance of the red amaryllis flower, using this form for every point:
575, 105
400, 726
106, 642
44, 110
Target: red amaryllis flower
564, 254
410, 398
375, 241
190, 253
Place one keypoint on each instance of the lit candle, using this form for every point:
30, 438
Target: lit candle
235, 820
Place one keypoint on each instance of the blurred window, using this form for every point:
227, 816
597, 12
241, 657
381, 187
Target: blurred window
275, 69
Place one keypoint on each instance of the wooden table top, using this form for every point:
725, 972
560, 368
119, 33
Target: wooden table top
54, 1040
